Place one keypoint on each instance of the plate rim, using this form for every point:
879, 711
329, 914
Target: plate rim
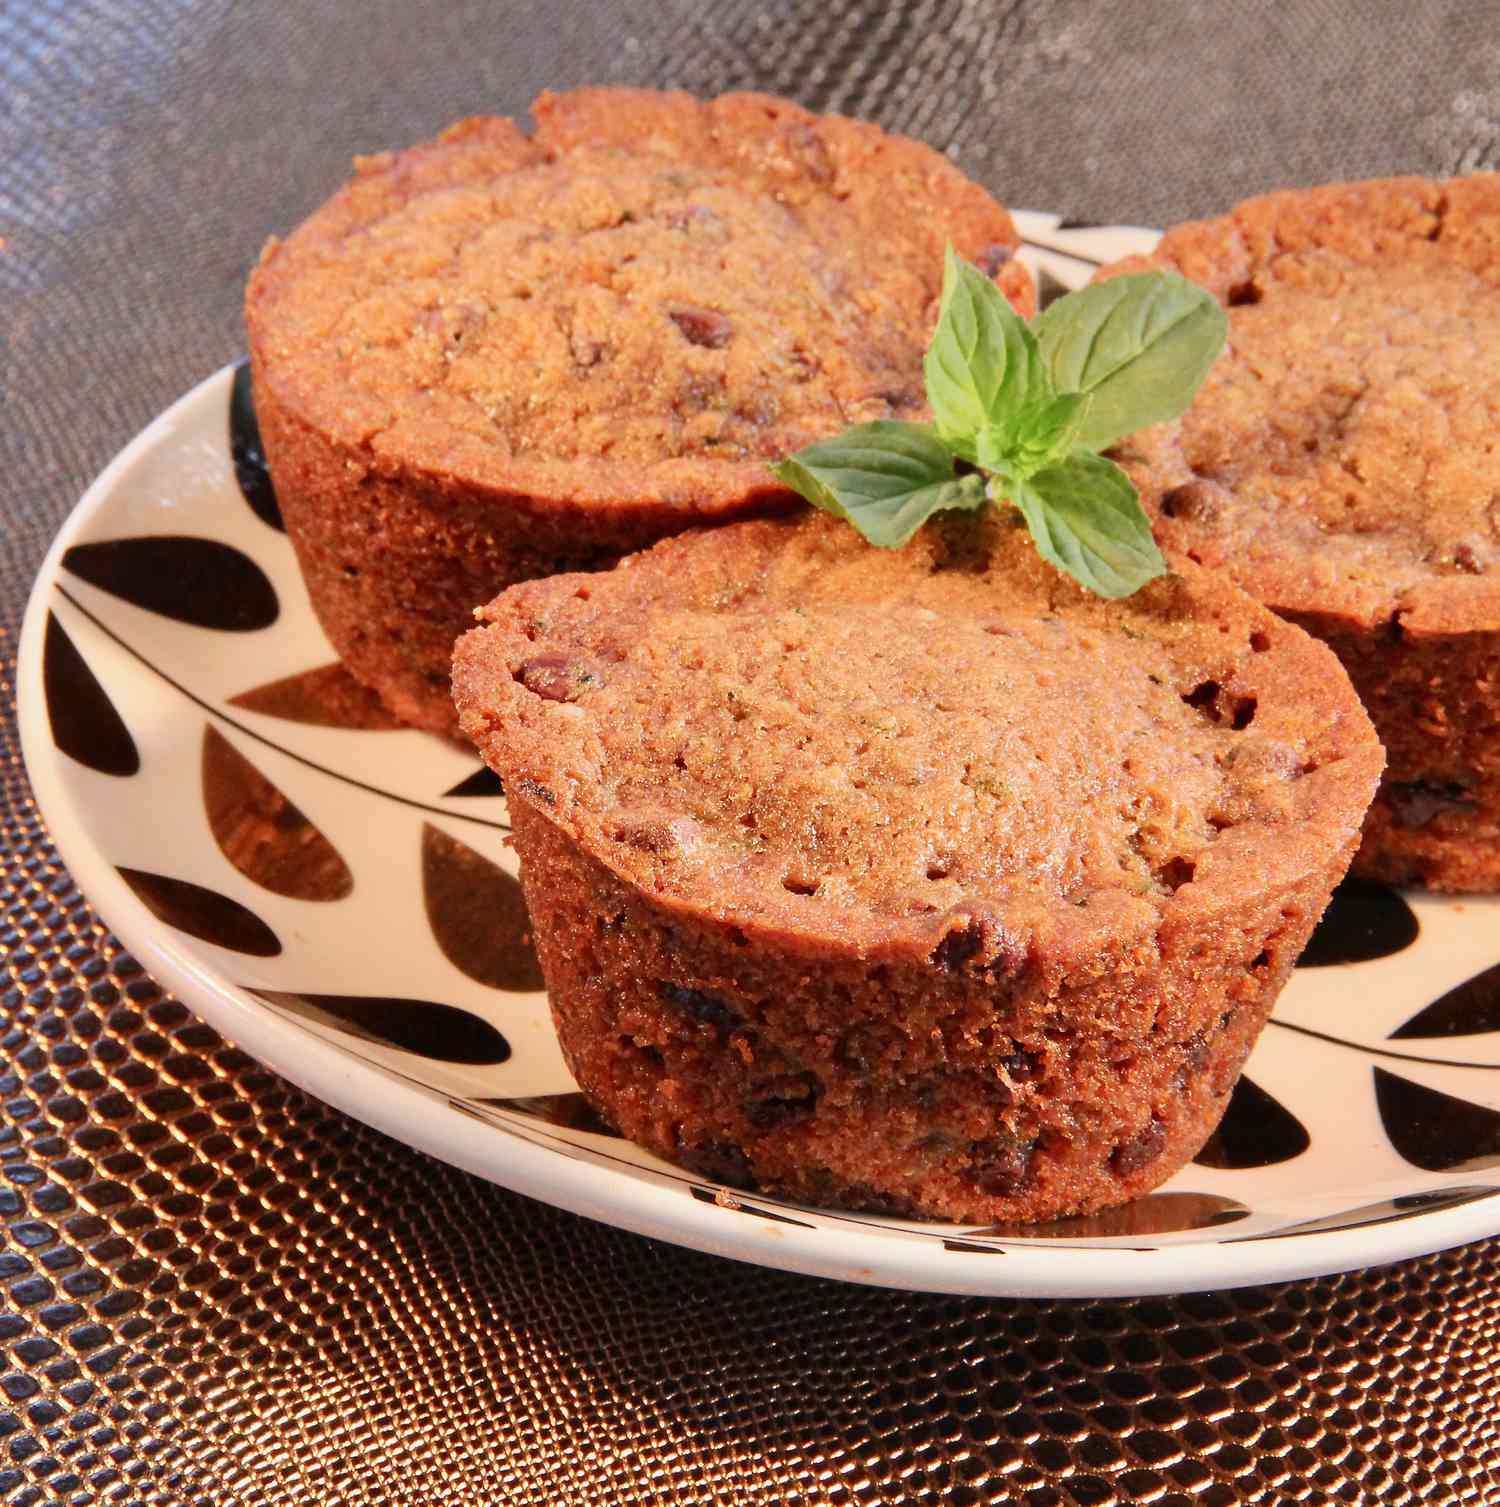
413, 1115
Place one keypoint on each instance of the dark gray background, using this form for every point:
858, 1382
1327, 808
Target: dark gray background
277, 1306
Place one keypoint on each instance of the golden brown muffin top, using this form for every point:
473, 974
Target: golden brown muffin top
1343, 455
650, 297
775, 723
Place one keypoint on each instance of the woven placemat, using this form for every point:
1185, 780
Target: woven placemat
215, 1290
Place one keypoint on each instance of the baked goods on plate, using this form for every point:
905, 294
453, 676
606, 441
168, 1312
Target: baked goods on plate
501, 355
916, 880
1342, 463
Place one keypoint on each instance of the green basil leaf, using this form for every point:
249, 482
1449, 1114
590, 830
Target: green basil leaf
983, 367
1086, 519
887, 478
1139, 345
1044, 433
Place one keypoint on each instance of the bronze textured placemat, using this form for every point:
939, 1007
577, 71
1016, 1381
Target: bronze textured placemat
213, 1289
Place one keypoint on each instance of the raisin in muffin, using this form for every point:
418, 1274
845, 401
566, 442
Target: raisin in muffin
913, 880
497, 356
1341, 463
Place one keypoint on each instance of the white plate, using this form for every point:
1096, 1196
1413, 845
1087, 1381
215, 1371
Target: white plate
366, 929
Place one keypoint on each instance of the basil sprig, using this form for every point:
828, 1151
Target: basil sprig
1020, 412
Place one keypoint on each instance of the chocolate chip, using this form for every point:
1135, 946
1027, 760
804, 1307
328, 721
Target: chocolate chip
1139, 1151
648, 836
958, 947
783, 1101
557, 677
993, 257
720, 1162
532, 790
658, 834
702, 1007
1414, 803
1196, 1052
1001, 1165
873, 1201
705, 327
979, 937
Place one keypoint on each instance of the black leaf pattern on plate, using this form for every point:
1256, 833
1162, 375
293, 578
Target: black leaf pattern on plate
477, 914
444, 1033
1256, 1131
1473, 1007
191, 580
85, 724
567, 1111
262, 833
1434, 1130
1155, 1214
1048, 288
483, 781
1077, 225
247, 452
203, 913
734, 1204
328, 696
1385, 1211
1364, 921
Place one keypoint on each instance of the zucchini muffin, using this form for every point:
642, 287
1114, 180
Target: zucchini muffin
1342, 463
498, 356
917, 881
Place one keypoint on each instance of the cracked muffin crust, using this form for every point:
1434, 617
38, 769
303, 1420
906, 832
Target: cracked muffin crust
496, 356
913, 880
1341, 463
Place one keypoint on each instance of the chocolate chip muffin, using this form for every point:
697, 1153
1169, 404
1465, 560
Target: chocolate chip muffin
1341, 463
497, 356
917, 880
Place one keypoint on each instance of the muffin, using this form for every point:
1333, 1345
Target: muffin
1341, 463
499, 356
919, 880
